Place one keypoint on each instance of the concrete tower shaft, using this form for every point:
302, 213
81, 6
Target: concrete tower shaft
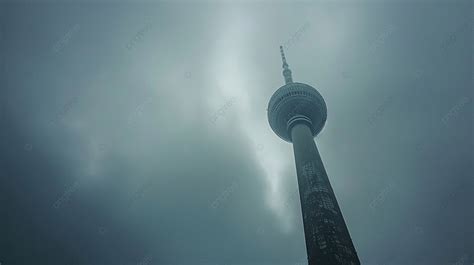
297, 113
327, 239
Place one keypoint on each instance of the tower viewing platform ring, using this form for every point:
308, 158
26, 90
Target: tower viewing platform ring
294, 103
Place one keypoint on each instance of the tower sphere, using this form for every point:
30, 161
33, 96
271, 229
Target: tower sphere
294, 103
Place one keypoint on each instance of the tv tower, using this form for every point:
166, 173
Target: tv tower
297, 113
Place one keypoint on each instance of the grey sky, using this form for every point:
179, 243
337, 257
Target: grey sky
136, 133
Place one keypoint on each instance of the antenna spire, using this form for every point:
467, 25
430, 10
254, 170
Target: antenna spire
286, 70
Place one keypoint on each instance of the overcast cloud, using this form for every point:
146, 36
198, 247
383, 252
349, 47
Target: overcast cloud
136, 133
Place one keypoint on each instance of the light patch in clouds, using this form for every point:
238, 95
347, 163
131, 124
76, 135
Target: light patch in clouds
232, 49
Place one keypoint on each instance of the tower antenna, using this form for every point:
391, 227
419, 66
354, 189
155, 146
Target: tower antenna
286, 70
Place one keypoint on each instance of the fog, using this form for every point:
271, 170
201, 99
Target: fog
136, 133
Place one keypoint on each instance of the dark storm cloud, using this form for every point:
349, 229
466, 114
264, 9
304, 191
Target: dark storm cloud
129, 138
